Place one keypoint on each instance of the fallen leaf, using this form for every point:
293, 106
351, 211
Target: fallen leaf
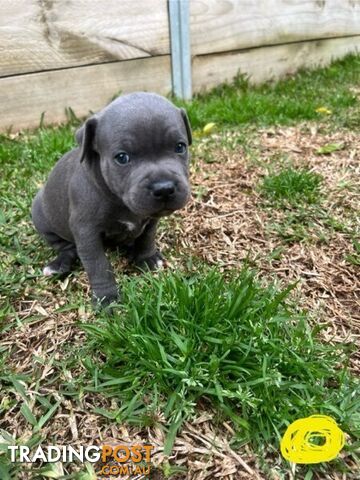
329, 148
209, 127
64, 284
41, 310
324, 110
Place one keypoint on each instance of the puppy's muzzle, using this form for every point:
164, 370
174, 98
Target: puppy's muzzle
163, 190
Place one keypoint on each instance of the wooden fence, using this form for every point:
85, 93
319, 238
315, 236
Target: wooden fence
80, 53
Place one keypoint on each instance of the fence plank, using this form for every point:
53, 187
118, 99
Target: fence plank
266, 63
225, 25
24, 98
52, 34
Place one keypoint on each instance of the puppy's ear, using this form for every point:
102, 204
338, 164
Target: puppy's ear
187, 124
85, 137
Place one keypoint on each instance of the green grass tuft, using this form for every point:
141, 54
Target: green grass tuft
287, 101
354, 258
292, 187
229, 341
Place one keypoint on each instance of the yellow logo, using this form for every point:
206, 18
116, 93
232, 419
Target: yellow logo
312, 439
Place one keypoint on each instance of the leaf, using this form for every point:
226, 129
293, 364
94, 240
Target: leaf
6, 438
209, 127
323, 110
356, 246
218, 390
89, 474
5, 472
105, 413
179, 342
309, 475
64, 284
329, 148
19, 387
2, 217
27, 413
171, 435
45, 418
52, 470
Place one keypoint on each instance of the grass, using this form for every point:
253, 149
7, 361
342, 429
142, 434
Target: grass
25, 160
181, 340
354, 258
308, 95
295, 196
292, 187
184, 342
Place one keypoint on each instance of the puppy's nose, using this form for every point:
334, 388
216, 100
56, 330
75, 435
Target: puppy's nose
162, 189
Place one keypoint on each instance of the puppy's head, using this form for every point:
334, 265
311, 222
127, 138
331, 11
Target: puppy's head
141, 142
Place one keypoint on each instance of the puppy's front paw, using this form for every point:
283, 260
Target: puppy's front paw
154, 262
103, 302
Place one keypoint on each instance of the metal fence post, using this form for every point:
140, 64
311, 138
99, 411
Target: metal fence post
179, 19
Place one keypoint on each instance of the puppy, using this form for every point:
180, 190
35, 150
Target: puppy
130, 169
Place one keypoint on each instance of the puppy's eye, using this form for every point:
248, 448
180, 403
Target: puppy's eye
180, 147
122, 157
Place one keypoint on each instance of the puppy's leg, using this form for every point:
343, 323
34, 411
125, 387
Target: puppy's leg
90, 249
144, 252
67, 256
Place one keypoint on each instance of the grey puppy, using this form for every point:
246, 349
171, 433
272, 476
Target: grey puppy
130, 169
